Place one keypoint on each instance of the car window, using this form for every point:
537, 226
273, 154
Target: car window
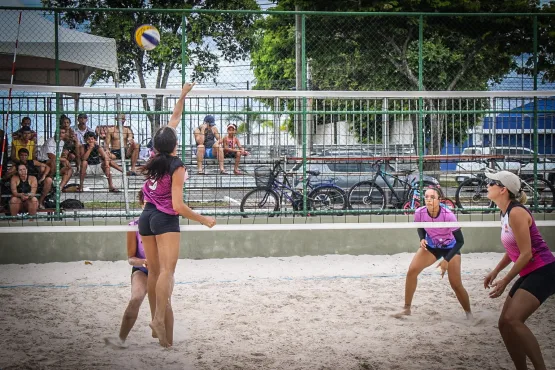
469, 151
344, 167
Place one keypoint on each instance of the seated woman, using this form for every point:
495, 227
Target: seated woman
23, 188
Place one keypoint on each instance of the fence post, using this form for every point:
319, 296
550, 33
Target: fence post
535, 118
420, 102
56, 123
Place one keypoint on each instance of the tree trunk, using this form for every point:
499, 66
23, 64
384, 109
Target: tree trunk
414, 120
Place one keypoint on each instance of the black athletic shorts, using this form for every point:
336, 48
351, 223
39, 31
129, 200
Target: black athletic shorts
540, 283
155, 222
440, 252
138, 269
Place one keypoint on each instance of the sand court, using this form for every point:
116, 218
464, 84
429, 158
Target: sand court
325, 312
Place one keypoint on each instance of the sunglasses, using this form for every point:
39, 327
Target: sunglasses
496, 183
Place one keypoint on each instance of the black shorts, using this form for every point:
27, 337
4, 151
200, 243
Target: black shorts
117, 153
230, 155
540, 283
440, 252
154, 222
138, 269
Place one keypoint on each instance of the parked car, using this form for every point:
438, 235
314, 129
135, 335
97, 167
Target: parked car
347, 173
514, 159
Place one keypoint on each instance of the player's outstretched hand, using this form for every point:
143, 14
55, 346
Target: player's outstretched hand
187, 86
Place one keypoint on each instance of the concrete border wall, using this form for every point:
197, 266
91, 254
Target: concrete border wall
110, 246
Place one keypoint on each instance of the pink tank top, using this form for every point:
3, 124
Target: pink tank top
541, 255
159, 192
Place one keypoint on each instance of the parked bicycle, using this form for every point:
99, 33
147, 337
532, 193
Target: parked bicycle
415, 200
368, 195
274, 189
472, 193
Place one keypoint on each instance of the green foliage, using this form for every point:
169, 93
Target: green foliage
210, 37
382, 52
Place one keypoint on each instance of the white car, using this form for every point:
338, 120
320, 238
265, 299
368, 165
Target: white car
514, 159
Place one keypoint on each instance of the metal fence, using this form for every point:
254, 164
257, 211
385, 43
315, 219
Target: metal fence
444, 138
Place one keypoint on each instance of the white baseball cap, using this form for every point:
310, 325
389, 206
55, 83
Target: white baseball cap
508, 179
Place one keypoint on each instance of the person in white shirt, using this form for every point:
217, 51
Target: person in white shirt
47, 154
81, 129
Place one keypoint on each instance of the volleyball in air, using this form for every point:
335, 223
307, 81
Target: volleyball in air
147, 37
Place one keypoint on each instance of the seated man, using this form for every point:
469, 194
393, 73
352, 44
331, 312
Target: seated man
232, 147
34, 168
207, 137
113, 144
47, 155
72, 146
95, 161
24, 141
24, 188
81, 129
25, 122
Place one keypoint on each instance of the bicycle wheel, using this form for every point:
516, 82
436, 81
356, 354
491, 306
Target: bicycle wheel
366, 195
261, 200
448, 203
473, 193
326, 197
407, 206
544, 193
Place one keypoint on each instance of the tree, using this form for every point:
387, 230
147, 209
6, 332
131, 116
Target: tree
381, 52
210, 38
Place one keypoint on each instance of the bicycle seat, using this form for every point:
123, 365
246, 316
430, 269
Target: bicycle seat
406, 172
313, 173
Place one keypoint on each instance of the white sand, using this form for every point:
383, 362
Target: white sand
329, 312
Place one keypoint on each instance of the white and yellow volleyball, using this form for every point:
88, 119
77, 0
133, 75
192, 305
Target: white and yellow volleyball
147, 37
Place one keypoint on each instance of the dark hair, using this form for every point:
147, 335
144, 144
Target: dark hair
89, 134
436, 189
141, 197
22, 150
164, 142
64, 117
26, 118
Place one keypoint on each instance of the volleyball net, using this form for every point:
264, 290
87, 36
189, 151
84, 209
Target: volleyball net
348, 156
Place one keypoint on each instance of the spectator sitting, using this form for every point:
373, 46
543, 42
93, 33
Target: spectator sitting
232, 147
71, 146
207, 137
113, 143
95, 161
24, 141
36, 169
81, 129
23, 189
47, 155
25, 122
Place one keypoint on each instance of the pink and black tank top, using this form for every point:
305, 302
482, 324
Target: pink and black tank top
541, 255
159, 192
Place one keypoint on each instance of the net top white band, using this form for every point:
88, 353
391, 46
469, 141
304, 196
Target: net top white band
265, 227
201, 92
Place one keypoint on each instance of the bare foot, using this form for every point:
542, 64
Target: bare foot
469, 316
115, 343
154, 334
405, 312
160, 330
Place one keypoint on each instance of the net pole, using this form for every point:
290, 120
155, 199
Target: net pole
5, 134
119, 123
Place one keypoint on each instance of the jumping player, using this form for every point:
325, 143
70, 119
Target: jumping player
159, 221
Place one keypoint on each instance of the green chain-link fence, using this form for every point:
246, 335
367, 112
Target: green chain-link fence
449, 139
